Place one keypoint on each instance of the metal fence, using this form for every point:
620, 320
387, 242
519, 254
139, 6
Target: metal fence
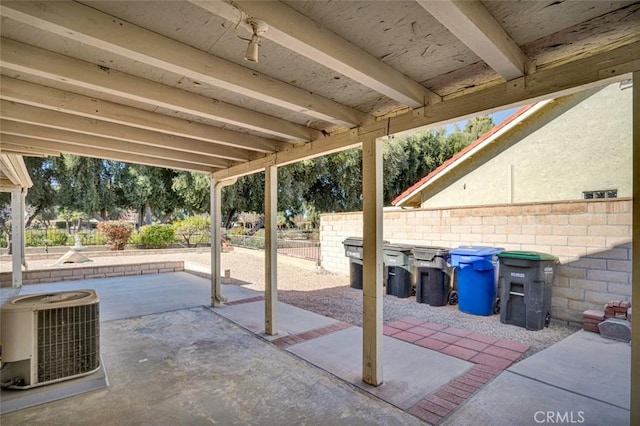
301, 248
304, 249
44, 237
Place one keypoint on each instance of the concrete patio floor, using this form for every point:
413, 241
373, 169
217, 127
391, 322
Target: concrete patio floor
170, 359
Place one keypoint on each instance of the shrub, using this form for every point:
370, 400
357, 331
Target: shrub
134, 239
193, 230
156, 236
34, 239
90, 238
238, 230
57, 237
117, 233
49, 237
246, 241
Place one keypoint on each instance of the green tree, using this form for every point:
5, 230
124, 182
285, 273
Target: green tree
86, 184
149, 191
42, 195
477, 126
192, 189
282, 220
292, 187
313, 216
246, 195
193, 230
408, 159
335, 181
67, 216
47, 215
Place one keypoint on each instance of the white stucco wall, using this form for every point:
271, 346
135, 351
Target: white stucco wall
576, 145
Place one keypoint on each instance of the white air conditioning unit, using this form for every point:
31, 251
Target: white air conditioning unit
49, 337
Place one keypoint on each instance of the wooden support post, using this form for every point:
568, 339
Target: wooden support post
635, 256
271, 251
17, 236
215, 193
372, 261
23, 210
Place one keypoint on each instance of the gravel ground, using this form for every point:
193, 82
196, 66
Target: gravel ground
302, 284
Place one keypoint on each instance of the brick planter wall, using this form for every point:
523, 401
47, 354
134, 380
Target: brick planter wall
87, 272
592, 239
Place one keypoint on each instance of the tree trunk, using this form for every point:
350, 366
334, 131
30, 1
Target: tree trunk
147, 215
33, 216
7, 232
228, 217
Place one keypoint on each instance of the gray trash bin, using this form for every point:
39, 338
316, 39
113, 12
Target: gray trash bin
397, 258
353, 250
525, 287
432, 275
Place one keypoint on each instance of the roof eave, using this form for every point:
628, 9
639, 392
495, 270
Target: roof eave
411, 197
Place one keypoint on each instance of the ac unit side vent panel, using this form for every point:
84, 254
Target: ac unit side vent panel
68, 341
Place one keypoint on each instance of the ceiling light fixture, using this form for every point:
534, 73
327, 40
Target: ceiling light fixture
259, 27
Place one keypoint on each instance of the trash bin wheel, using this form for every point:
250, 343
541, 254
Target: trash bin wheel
496, 308
453, 298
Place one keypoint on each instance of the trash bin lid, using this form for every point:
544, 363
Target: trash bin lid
476, 250
528, 255
353, 241
428, 252
404, 248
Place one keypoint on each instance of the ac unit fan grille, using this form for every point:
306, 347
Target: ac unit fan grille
68, 341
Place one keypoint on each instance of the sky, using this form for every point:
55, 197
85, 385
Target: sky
498, 117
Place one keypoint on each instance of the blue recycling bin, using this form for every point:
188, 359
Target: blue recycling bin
476, 273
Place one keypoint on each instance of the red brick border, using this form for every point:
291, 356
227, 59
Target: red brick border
436, 406
286, 341
241, 301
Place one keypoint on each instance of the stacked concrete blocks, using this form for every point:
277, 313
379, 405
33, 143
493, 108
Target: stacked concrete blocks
614, 323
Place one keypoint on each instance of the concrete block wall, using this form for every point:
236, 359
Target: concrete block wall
592, 239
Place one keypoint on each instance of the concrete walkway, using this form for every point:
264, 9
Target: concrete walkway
584, 379
172, 360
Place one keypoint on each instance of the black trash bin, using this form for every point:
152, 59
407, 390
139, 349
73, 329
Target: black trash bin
525, 286
432, 276
397, 258
353, 250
